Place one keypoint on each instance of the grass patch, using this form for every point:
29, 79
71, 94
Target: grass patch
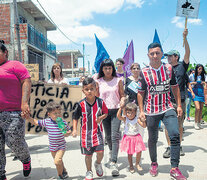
204, 112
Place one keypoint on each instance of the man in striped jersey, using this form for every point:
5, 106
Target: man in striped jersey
155, 105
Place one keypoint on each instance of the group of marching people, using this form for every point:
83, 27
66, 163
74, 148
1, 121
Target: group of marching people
149, 95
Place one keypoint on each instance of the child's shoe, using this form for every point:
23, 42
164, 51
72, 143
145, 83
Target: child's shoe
176, 174
99, 169
139, 168
154, 169
27, 168
60, 177
89, 175
131, 170
3, 177
65, 174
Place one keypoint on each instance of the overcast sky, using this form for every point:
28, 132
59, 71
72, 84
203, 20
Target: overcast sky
117, 21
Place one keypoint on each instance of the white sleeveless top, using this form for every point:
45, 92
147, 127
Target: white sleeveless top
131, 127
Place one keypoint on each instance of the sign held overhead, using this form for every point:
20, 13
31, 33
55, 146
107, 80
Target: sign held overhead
188, 8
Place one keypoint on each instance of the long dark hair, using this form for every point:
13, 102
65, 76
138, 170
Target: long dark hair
2, 46
203, 73
106, 62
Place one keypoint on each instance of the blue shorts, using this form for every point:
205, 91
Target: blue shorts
91, 150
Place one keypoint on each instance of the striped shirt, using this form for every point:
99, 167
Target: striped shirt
91, 132
156, 85
56, 137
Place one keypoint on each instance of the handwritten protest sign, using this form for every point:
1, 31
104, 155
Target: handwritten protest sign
41, 94
33, 71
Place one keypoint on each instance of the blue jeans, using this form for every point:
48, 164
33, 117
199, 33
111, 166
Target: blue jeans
188, 105
169, 118
111, 128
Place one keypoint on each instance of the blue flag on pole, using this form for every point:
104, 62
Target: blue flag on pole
101, 54
157, 40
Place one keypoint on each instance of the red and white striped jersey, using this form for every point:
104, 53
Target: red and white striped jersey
91, 132
155, 83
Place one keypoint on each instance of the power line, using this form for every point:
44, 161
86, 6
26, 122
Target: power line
57, 26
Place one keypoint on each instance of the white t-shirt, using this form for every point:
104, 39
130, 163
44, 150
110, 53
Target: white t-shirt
131, 127
63, 81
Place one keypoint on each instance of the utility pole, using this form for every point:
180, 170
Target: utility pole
16, 20
89, 71
83, 59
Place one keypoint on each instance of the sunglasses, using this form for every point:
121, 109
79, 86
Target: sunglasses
136, 68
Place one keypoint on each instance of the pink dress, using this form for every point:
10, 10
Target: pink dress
132, 141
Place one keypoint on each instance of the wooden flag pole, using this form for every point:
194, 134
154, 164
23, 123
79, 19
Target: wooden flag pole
186, 20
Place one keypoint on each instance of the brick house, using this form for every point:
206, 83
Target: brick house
36, 48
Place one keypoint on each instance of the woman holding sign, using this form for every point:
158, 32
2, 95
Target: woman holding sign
57, 75
131, 87
15, 88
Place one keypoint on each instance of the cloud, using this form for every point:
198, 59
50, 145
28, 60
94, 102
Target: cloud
69, 16
78, 32
180, 21
137, 3
195, 21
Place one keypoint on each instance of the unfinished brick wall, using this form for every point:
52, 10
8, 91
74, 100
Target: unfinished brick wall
5, 23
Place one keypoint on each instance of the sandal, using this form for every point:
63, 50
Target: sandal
139, 168
131, 170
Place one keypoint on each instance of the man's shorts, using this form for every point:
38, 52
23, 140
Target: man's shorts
91, 150
180, 119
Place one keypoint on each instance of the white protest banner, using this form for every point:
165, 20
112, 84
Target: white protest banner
68, 96
188, 8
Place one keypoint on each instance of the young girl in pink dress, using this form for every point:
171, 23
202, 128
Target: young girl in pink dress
132, 141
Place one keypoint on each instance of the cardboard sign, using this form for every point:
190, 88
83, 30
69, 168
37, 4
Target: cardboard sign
188, 8
41, 94
33, 71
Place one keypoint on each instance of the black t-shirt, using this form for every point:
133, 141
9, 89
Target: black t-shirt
182, 79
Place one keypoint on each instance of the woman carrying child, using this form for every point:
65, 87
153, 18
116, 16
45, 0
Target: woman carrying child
132, 141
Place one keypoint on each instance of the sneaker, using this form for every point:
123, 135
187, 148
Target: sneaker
109, 164
99, 170
89, 175
160, 129
3, 177
181, 152
115, 171
60, 177
15, 158
199, 125
27, 168
154, 169
176, 174
188, 119
196, 126
166, 154
65, 174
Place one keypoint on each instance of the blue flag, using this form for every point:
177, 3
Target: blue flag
157, 40
101, 54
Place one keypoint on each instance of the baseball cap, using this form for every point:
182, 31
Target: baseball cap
172, 52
